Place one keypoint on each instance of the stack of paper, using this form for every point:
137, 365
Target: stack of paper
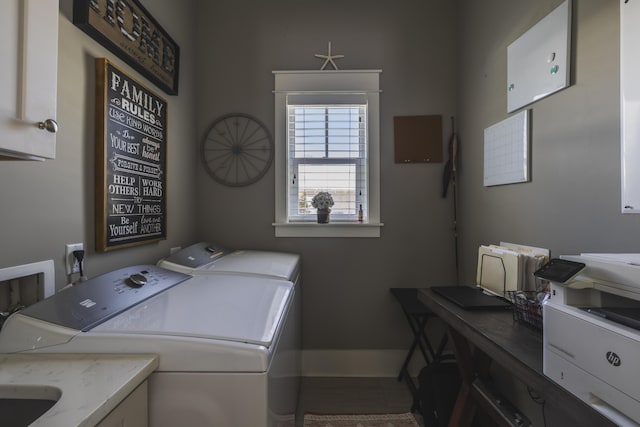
509, 267
626, 258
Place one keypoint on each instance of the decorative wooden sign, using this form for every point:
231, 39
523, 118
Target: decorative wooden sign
129, 31
131, 159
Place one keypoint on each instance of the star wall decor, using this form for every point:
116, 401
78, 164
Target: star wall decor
328, 59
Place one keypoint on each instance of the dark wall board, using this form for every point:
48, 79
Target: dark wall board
128, 30
418, 139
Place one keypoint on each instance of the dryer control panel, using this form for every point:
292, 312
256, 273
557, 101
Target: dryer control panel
197, 255
87, 304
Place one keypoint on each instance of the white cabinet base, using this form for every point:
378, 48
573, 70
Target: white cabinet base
131, 412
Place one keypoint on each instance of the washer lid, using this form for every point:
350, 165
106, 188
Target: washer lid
222, 307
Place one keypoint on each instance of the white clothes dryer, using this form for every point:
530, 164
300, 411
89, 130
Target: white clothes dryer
205, 258
225, 342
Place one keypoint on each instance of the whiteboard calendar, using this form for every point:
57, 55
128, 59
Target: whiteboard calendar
506, 151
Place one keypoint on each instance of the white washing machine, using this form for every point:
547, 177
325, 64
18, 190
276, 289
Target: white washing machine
225, 341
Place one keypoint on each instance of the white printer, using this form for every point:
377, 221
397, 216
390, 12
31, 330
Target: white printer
592, 335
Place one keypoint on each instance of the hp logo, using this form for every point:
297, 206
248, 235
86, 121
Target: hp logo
613, 359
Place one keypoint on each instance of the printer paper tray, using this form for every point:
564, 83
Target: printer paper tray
593, 358
595, 393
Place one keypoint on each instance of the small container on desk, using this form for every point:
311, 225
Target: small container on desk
527, 307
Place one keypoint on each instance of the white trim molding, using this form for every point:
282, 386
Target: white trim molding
358, 363
334, 229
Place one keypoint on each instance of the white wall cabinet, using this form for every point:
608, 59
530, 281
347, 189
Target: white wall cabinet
28, 78
630, 105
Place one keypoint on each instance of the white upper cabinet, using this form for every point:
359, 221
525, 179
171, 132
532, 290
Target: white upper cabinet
28, 78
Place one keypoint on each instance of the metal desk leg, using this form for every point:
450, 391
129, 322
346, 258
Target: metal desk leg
418, 331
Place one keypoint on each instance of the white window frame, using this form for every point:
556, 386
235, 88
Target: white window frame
322, 83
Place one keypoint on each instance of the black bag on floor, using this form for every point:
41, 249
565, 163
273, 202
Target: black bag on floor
438, 386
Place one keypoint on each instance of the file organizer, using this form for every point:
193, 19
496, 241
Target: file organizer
509, 267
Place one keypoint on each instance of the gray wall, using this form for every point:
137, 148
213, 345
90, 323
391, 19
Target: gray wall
347, 304
437, 57
48, 204
572, 203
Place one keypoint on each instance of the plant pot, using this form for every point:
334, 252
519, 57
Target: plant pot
323, 216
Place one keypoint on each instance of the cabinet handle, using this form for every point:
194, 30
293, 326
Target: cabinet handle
49, 125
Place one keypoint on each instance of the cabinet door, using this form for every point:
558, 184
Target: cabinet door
131, 412
28, 77
630, 105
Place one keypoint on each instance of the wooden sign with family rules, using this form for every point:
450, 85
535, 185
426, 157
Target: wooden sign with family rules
131, 159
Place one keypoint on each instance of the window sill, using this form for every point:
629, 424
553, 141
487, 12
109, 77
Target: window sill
333, 229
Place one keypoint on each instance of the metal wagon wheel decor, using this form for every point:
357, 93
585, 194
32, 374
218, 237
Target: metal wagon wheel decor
237, 150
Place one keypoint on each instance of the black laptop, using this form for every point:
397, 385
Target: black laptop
471, 298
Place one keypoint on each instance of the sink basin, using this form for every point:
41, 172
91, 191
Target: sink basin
22, 405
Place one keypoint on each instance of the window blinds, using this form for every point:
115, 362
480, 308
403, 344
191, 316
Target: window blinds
327, 151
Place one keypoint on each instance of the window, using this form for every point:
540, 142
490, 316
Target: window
327, 151
327, 139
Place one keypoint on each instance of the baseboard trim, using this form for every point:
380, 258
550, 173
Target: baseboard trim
358, 363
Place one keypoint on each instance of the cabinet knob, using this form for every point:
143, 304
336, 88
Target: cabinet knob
49, 125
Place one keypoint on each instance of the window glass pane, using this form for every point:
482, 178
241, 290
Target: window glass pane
339, 180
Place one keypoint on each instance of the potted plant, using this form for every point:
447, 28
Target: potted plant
323, 202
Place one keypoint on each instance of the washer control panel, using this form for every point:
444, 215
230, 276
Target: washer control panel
87, 304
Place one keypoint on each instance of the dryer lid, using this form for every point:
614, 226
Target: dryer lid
280, 265
206, 258
221, 307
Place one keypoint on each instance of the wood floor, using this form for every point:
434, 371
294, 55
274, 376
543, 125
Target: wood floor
352, 396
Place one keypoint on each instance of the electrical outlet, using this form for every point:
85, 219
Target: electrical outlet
72, 264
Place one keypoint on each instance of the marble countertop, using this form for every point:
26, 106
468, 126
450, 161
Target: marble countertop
91, 384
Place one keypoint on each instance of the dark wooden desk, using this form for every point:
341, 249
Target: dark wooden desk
480, 337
